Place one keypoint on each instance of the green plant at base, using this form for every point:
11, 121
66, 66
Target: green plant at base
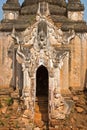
7, 116
1, 105
9, 101
17, 126
1, 123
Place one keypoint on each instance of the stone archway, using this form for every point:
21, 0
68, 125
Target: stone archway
42, 92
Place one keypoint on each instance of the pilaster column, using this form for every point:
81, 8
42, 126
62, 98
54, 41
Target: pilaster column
26, 87
26, 79
65, 85
51, 89
20, 78
57, 79
57, 75
14, 68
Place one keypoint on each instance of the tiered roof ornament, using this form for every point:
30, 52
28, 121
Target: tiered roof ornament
29, 2
64, 15
11, 5
75, 5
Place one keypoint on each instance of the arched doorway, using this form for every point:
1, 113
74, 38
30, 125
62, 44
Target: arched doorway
41, 104
42, 81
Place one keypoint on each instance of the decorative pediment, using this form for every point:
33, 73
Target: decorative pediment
36, 44
42, 33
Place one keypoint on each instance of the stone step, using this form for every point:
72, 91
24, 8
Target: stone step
7, 91
54, 122
42, 98
15, 95
40, 116
41, 104
54, 129
41, 109
4, 92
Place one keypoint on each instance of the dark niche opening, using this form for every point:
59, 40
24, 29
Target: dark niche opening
42, 81
41, 104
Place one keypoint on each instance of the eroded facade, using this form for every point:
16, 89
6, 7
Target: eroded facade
45, 47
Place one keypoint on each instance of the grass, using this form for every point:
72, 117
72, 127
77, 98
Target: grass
7, 116
9, 101
1, 123
1, 105
17, 126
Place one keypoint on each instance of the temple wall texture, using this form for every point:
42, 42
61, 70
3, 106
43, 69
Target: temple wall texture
5, 62
74, 68
78, 62
43, 57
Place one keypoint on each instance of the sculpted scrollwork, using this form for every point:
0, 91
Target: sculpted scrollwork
68, 36
23, 54
57, 36
58, 57
17, 38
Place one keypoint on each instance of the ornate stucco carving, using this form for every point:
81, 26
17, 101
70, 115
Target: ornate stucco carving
58, 57
82, 35
60, 106
35, 47
32, 37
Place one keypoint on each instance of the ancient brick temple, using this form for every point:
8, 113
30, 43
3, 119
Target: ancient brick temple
43, 52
